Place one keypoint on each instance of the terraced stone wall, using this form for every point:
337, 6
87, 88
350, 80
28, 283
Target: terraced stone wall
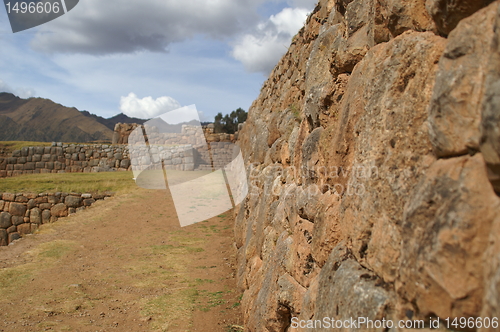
23, 213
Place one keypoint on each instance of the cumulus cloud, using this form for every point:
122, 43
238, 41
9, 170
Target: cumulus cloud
261, 50
20, 92
116, 26
147, 107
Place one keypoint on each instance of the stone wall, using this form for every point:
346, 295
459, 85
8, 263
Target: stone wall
173, 157
373, 160
192, 148
183, 157
216, 156
22, 214
65, 158
122, 132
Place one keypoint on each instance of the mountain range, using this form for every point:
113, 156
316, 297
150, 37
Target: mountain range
42, 120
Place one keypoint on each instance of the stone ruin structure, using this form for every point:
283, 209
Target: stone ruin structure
122, 132
65, 158
23, 213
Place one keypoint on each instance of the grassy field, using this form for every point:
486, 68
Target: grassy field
17, 145
119, 182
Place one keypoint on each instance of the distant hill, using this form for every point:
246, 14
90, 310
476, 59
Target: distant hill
111, 122
165, 127
42, 120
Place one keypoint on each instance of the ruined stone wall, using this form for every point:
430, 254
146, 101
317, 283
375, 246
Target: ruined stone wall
170, 157
192, 148
23, 213
77, 158
373, 157
65, 158
122, 132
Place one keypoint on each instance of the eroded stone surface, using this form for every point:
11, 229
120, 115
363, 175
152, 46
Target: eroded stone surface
351, 210
455, 111
490, 141
448, 13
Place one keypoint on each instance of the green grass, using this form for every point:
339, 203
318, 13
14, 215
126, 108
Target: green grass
17, 145
56, 249
169, 309
69, 182
44, 256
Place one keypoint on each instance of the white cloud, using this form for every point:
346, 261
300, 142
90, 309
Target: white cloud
261, 51
20, 92
147, 107
4, 87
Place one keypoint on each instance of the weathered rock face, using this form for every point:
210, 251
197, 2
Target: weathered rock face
373, 154
448, 13
490, 141
122, 132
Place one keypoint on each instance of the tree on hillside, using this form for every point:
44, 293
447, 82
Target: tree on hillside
229, 123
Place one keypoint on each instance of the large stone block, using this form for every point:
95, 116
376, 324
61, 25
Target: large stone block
24, 229
22, 199
9, 197
490, 123
88, 201
31, 204
59, 210
17, 209
73, 201
455, 111
17, 220
11, 160
445, 233
347, 290
5, 220
14, 236
448, 13
29, 166
4, 237
46, 214
36, 216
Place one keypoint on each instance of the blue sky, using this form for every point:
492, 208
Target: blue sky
151, 56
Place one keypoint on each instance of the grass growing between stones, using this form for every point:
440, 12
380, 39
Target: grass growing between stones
120, 182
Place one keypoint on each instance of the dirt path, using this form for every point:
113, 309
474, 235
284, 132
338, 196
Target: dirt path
123, 265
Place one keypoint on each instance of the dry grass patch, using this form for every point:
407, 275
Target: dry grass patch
42, 258
10, 146
120, 182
